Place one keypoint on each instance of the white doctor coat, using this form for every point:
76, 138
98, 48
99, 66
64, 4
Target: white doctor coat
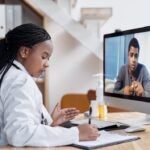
21, 113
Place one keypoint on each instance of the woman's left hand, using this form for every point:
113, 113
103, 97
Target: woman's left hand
60, 116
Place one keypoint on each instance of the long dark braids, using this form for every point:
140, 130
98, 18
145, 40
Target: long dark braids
23, 35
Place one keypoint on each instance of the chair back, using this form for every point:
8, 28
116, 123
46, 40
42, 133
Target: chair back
79, 101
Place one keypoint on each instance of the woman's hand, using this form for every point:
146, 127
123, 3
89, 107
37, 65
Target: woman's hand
88, 132
60, 116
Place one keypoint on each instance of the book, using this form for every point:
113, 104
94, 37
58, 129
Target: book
106, 138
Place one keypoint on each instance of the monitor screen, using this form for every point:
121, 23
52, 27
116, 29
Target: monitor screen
127, 69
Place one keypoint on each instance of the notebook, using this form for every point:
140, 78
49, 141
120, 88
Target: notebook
106, 138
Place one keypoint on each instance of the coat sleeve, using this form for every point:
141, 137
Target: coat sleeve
23, 127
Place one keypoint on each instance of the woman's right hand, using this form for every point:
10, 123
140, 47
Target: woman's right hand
88, 132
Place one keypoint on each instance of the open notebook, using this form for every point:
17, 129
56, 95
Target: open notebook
106, 138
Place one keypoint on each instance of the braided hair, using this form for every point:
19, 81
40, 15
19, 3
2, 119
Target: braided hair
24, 35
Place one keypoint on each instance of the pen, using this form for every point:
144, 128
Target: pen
90, 112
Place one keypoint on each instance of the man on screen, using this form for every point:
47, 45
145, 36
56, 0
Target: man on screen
133, 78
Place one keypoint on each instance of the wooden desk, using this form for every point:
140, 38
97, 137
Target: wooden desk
142, 144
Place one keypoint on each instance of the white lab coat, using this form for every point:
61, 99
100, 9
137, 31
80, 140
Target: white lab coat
20, 114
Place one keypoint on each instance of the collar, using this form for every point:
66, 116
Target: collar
19, 65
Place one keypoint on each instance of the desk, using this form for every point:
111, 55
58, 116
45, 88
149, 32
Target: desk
142, 144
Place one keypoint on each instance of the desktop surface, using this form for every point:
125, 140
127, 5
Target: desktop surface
141, 144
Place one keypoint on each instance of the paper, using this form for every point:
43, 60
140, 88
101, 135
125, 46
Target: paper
106, 138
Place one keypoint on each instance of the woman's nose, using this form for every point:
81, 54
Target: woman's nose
46, 64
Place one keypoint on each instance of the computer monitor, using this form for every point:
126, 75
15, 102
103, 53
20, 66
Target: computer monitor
118, 73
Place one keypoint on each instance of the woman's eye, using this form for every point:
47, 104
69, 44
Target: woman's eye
44, 57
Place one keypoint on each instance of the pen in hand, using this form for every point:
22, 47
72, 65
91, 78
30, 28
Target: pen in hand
90, 112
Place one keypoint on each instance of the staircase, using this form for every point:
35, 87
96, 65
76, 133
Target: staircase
75, 29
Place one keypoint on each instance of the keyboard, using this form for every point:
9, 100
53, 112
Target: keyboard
101, 125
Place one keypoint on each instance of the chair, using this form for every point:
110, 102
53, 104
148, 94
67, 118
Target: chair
79, 101
82, 101
91, 94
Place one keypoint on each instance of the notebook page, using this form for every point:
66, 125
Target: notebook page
107, 138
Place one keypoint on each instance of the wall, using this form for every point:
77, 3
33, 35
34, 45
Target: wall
71, 65
144, 42
127, 14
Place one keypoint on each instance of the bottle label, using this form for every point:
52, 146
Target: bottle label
94, 106
102, 108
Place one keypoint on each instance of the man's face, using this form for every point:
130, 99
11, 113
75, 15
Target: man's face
133, 58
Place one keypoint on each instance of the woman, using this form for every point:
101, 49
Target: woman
24, 121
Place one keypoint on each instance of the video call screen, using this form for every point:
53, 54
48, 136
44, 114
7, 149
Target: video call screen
116, 56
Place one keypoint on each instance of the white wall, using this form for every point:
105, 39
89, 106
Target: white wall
144, 42
71, 66
127, 14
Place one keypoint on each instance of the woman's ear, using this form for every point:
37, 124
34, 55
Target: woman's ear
24, 52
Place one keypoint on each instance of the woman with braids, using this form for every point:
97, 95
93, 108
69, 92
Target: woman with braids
24, 121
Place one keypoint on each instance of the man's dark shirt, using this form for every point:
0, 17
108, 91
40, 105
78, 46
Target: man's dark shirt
124, 79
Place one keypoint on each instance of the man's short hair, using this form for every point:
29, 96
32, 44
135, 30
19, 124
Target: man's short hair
134, 43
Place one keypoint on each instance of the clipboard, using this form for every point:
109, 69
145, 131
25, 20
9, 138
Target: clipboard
106, 139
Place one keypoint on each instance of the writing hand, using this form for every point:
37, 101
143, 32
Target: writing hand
88, 132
